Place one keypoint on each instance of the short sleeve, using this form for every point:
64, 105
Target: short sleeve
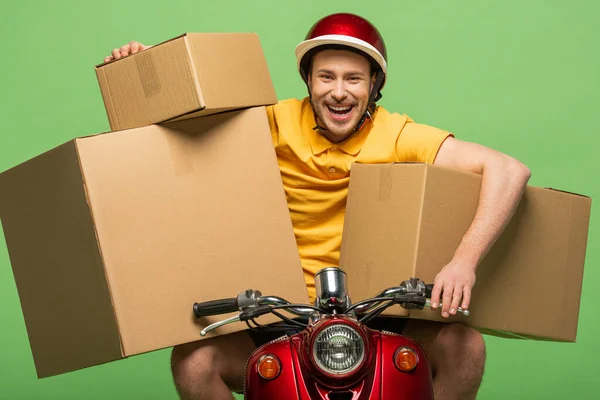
420, 143
273, 125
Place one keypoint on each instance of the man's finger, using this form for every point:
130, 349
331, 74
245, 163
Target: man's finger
125, 50
116, 54
466, 301
447, 299
135, 47
108, 58
456, 297
435, 294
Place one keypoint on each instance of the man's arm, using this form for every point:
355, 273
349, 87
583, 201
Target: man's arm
503, 182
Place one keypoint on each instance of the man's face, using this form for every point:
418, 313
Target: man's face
340, 84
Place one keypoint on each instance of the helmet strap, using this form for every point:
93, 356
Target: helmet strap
373, 98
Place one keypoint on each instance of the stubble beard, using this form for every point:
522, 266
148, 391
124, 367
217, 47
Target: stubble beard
337, 130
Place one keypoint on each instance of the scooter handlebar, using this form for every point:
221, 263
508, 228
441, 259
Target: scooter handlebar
215, 307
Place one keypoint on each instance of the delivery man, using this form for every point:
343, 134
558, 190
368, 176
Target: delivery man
343, 62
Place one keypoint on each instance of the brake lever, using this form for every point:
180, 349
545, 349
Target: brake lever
218, 324
458, 309
245, 315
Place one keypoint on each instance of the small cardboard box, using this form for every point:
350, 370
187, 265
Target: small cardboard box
406, 220
113, 237
192, 75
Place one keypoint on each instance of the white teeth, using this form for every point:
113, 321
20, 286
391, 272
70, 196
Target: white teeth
340, 109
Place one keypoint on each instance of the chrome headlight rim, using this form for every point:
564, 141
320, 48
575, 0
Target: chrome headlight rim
344, 325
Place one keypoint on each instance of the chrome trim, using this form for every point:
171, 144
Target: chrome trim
391, 292
211, 327
332, 288
278, 301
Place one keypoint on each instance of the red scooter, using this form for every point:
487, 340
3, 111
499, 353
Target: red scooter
332, 354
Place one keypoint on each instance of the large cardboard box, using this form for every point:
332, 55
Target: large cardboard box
113, 237
192, 75
406, 220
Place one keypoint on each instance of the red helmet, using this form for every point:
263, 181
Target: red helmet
346, 30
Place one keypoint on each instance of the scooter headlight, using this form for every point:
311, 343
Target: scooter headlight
338, 349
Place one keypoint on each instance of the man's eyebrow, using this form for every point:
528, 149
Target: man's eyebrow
325, 71
349, 73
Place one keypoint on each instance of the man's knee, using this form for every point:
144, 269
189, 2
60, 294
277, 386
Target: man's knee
192, 362
463, 339
217, 364
464, 350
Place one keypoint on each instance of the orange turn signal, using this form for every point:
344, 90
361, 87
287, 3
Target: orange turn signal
406, 359
269, 367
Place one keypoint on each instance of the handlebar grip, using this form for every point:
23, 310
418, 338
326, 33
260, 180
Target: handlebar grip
215, 307
428, 289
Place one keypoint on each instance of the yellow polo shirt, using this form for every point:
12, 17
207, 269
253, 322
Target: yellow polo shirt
316, 172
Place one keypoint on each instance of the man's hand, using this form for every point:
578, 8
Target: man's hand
455, 280
124, 51
503, 181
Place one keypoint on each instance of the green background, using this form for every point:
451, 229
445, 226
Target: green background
519, 76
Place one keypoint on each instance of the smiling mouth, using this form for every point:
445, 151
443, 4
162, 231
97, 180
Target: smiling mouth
340, 111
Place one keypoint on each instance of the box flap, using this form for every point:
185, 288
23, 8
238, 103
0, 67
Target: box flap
61, 285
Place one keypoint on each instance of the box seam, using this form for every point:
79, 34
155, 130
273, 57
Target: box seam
112, 119
580, 287
195, 73
568, 258
108, 283
418, 233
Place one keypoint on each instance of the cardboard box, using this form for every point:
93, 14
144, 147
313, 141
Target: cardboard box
192, 75
406, 220
113, 237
